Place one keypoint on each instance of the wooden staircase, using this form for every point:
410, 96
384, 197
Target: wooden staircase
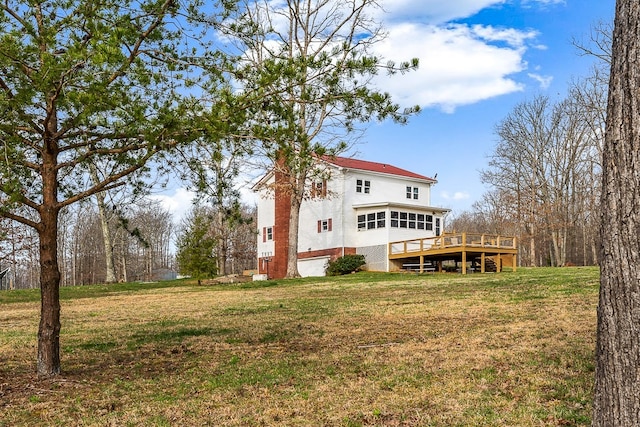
490, 265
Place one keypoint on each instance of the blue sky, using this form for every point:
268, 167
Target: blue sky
478, 59
520, 49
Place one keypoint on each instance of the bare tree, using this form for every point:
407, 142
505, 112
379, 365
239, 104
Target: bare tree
516, 164
311, 62
545, 161
617, 387
104, 226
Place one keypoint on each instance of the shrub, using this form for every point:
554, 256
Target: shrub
345, 265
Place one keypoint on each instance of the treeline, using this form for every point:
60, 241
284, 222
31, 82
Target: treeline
545, 175
142, 236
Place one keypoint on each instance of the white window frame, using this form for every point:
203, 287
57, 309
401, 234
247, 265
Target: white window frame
363, 186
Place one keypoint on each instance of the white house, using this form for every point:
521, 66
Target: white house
358, 209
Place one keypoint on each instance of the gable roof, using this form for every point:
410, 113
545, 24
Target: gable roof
355, 164
349, 163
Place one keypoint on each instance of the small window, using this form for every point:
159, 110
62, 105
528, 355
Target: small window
412, 193
381, 220
319, 189
437, 226
363, 186
362, 222
269, 233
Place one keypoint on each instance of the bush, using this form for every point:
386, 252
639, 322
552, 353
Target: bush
345, 265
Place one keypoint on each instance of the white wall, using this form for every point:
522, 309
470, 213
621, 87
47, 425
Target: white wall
388, 193
266, 218
385, 188
319, 209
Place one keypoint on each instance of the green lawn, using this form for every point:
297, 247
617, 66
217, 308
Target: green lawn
508, 349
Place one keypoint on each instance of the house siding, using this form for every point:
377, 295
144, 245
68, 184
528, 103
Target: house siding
339, 205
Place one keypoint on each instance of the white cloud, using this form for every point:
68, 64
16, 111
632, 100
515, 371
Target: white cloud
543, 2
545, 81
177, 203
458, 195
459, 64
181, 201
433, 11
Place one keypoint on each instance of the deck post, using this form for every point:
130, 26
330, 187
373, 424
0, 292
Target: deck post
482, 262
499, 263
421, 263
464, 262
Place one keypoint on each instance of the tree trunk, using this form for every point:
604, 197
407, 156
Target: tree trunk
48, 363
106, 233
222, 241
49, 329
294, 225
532, 249
617, 374
106, 238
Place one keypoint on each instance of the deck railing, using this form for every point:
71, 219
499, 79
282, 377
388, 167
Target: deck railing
452, 240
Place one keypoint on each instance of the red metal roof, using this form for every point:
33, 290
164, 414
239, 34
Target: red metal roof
350, 163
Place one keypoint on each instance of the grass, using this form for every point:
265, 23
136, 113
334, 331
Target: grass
360, 350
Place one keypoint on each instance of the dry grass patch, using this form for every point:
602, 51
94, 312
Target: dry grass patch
363, 350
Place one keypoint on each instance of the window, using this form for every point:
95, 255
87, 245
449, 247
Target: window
403, 220
394, 219
324, 225
362, 222
372, 221
267, 233
363, 186
319, 189
414, 221
412, 192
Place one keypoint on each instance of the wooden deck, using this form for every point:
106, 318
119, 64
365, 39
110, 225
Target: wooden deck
459, 247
